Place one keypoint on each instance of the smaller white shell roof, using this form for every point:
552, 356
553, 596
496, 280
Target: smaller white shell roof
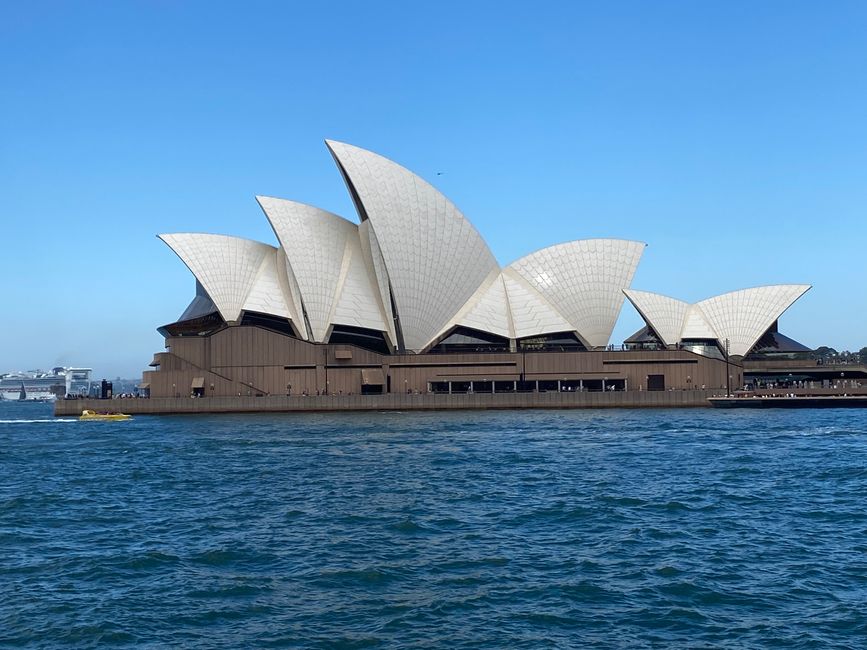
584, 280
695, 325
664, 315
741, 317
236, 273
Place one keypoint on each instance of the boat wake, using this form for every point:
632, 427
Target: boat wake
35, 421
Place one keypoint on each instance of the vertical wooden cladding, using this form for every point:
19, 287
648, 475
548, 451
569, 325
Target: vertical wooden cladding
191, 348
254, 361
681, 370
176, 376
254, 346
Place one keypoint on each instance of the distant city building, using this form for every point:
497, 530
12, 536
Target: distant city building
41, 386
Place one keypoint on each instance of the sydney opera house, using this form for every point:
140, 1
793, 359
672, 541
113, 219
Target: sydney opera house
411, 299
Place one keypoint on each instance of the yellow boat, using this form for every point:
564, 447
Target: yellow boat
93, 415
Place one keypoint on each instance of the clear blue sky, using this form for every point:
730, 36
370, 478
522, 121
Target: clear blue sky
731, 137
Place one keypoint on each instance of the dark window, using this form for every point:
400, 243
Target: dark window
655, 382
644, 339
361, 337
201, 326
460, 387
557, 342
774, 346
465, 339
268, 322
704, 347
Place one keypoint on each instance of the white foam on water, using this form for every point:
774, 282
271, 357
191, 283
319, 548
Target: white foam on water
32, 421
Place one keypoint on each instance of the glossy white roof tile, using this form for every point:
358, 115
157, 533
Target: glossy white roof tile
585, 280
290, 287
358, 303
434, 258
663, 314
487, 310
268, 294
325, 256
376, 266
225, 266
695, 325
531, 313
744, 316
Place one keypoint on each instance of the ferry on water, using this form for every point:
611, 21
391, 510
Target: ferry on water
40, 386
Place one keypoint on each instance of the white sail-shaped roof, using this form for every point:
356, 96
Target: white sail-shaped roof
358, 302
373, 258
434, 258
231, 270
663, 314
487, 310
325, 256
695, 325
532, 314
743, 316
584, 279
290, 286
269, 293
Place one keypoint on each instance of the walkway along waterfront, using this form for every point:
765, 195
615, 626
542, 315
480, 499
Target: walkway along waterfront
394, 402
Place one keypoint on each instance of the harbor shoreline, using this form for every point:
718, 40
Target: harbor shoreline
390, 402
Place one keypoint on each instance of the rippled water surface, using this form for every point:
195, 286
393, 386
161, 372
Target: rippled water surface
641, 528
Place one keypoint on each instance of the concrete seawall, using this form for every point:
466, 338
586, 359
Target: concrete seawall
391, 402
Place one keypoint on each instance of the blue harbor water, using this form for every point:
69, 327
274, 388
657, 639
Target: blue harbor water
643, 528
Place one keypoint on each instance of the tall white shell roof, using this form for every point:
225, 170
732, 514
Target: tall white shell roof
741, 317
584, 279
376, 265
236, 273
325, 256
434, 258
